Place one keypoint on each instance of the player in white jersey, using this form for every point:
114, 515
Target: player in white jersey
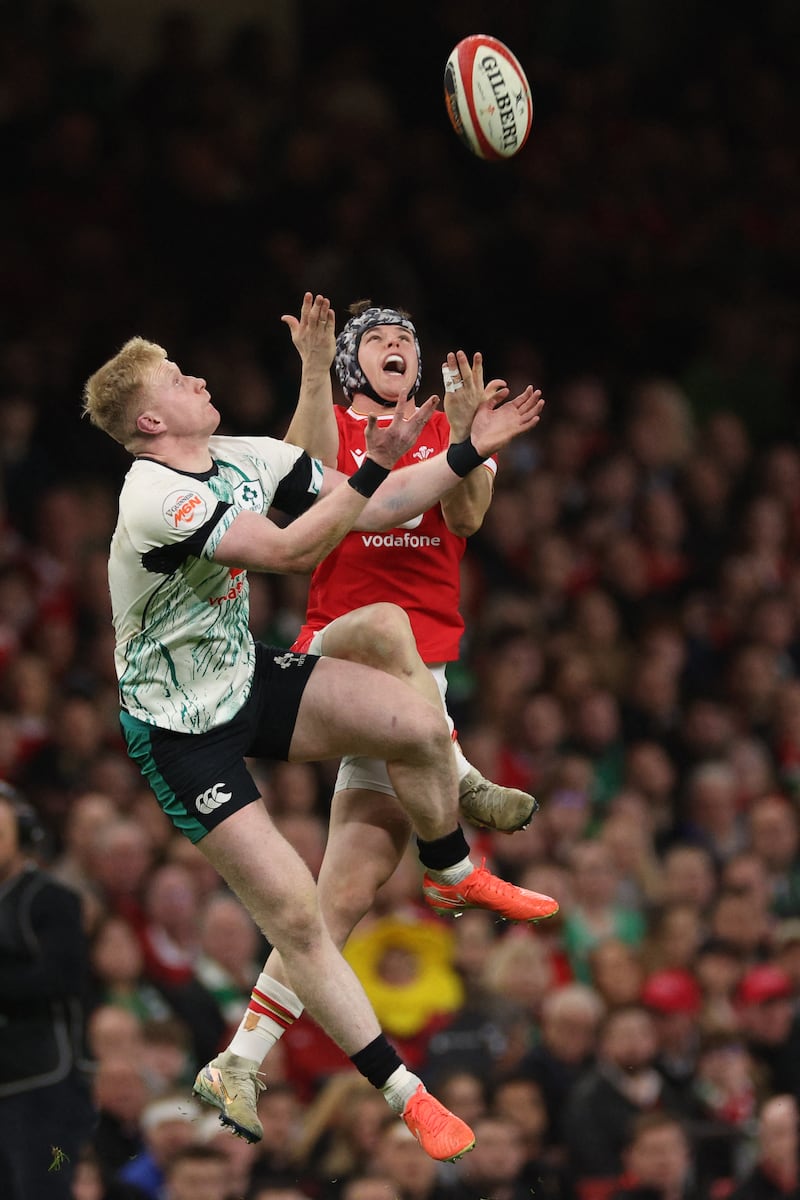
199, 696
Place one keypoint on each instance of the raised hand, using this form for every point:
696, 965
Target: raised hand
464, 391
387, 443
496, 423
314, 334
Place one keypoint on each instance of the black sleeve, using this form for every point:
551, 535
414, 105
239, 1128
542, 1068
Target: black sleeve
163, 560
52, 960
293, 495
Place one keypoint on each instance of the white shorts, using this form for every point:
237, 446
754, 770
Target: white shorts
370, 774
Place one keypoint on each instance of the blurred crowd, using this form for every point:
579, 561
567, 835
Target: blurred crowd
632, 653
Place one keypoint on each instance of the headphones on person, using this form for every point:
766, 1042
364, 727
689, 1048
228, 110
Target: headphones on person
30, 832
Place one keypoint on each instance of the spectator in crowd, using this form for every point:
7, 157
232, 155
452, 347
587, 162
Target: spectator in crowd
658, 1162
45, 1109
120, 1093
86, 817
465, 1092
170, 935
595, 914
712, 816
117, 965
113, 1031
570, 1018
616, 971
283, 1116
520, 1100
412, 1174
689, 876
776, 1173
241, 1158
496, 1166
372, 1186
786, 943
728, 1088
774, 834
768, 1019
168, 1126
197, 1171
603, 1104
166, 1053
675, 933
230, 944
675, 1000
341, 1129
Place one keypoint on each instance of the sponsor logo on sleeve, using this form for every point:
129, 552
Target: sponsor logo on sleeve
184, 510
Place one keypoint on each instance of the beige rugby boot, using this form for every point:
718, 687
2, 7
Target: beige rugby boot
490, 806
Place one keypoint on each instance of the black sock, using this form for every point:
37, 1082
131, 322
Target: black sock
377, 1061
445, 851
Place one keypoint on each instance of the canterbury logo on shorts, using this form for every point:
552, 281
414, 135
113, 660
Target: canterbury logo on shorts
212, 798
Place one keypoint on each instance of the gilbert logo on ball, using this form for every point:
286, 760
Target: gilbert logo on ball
488, 97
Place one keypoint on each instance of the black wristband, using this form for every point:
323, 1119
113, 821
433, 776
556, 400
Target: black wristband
462, 457
368, 478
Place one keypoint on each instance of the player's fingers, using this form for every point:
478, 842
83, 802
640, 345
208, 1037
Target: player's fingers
426, 411
497, 392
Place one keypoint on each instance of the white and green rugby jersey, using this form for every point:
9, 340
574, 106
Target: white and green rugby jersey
184, 652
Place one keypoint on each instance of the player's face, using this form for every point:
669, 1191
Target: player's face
388, 358
183, 401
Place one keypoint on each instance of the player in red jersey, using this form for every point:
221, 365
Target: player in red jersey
371, 597
416, 565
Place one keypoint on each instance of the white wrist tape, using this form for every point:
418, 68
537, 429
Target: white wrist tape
452, 379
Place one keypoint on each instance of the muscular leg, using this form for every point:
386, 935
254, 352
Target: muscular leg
282, 899
278, 889
350, 709
371, 829
353, 710
365, 827
380, 635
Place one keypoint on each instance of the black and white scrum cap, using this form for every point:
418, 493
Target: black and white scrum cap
348, 368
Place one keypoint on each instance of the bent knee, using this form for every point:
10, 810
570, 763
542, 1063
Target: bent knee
425, 732
379, 635
297, 930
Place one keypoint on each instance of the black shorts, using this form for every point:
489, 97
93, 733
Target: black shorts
201, 778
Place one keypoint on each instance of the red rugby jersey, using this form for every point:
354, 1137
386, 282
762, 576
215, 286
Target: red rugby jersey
415, 565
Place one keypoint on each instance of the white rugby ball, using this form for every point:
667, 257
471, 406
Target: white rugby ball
488, 97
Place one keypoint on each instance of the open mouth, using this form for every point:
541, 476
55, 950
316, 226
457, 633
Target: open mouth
394, 364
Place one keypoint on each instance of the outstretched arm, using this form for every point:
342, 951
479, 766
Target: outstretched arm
254, 542
313, 425
409, 491
466, 505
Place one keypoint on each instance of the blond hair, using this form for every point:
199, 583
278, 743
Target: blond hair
109, 395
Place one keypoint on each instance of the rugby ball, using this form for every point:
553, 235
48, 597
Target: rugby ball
488, 97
